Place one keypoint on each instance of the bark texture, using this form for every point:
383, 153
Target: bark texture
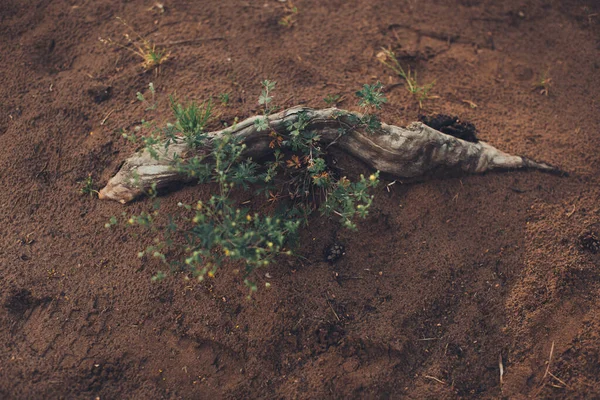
403, 152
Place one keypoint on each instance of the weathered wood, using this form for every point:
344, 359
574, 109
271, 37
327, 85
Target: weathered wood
403, 152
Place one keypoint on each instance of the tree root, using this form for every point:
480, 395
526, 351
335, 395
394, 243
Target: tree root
403, 152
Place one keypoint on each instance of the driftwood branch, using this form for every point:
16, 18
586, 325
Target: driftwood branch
403, 152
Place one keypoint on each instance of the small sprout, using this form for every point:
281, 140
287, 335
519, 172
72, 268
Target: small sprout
111, 222
224, 99
289, 19
87, 187
543, 83
158, 277
332, 99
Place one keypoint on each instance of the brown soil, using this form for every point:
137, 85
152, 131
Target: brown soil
444, 281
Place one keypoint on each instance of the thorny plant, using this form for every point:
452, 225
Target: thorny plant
421, 93
296, 181
152, 56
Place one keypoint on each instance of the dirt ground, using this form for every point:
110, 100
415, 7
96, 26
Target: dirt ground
446, 283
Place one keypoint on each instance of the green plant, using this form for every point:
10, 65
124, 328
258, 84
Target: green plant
543, 83
289, 19
371, 99
142, 98
332, 99
265, 99
421, 93
224, 99
190, 120
152, 56
296, 180
87, 186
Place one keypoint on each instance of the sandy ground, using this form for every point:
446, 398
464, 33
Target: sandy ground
447, 279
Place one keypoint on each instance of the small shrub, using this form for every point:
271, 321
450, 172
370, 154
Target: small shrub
295, 181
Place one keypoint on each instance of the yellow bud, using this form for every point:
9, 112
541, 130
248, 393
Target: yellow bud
211, 274
372, 177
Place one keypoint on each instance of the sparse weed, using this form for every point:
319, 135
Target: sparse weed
265, 99
224, 99
152, 56
332, 99
289, 19
543, 83
87, 186
142, 98
421, 93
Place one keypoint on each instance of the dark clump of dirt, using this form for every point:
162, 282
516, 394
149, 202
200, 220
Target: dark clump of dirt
19, 302
589, 241
100, 93
334, 252
329, 335
452, 126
